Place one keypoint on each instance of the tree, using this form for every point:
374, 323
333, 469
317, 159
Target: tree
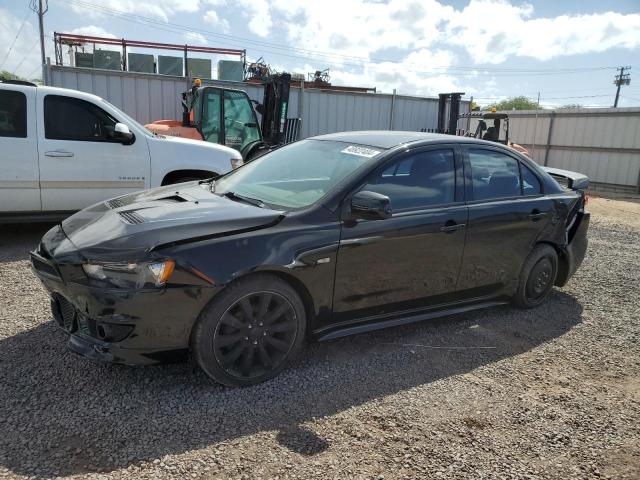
4, 75
514, 103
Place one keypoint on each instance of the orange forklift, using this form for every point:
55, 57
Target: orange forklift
227, 117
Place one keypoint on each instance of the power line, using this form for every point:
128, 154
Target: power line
14, 40
363, 61
24, 57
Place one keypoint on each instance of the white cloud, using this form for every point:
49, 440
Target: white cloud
212, 18
358, 28
93, 30
259, 14
403, 76
195, 38
348, 35
160, 9
492, 31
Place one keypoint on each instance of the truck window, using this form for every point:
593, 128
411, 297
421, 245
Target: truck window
13, 114
240, 127
68, 118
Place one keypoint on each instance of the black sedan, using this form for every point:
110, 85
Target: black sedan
326, 237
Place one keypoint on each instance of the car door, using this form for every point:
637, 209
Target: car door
19, 177
507, 213
79, 163
411, 260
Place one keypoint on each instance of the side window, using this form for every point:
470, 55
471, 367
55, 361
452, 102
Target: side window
530, 183
68, 118
240, 127
13, 114
419, 180
210, 124
495, 175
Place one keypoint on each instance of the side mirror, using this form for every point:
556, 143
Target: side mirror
122, 134
371, 205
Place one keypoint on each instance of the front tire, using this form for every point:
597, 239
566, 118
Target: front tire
250, 332
537, 277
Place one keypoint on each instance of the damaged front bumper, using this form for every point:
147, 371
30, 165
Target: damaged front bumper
132, 327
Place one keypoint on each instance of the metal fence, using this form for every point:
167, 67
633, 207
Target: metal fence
602, 143
148, 97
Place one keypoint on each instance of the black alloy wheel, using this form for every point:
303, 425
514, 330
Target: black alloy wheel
250, 331
537, 277
255, 334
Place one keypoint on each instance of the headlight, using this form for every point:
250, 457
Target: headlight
131, 275
235, 163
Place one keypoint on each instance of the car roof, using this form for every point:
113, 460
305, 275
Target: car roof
389, 139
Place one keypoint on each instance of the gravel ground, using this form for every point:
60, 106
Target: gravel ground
500, 393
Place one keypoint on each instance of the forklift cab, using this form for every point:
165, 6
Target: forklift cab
222, 116
490, 126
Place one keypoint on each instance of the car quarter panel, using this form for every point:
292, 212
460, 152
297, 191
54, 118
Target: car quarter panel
502, 231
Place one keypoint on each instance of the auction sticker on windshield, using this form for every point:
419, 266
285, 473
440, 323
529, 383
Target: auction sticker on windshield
360, 151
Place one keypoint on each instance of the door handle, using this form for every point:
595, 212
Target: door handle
451, 226
536, 215
58, 154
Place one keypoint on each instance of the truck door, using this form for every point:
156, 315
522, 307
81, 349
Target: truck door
80, 164
19, 187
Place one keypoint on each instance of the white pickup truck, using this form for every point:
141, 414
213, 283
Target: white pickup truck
62, 150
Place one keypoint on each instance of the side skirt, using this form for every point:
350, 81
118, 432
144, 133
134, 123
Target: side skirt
369, 325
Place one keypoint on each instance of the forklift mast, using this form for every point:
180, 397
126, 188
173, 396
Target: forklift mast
274, 107
454, 112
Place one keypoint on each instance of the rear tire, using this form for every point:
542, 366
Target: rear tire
537, 277
250, 331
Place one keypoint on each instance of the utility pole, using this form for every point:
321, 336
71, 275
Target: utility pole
38, 7
621, 79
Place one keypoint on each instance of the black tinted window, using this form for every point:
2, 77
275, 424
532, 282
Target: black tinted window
530, 183
67, 118
419, 180
13, 114
495, 175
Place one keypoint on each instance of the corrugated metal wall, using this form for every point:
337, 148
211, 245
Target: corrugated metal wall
601, 143
153, 97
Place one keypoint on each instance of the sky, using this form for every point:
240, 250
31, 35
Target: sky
565, 50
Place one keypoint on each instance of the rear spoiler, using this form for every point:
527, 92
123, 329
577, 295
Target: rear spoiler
575, 180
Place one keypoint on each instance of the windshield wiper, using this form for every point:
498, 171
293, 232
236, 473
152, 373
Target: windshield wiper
241, 198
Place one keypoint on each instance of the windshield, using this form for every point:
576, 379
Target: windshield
296, 175
240, 126
127, 120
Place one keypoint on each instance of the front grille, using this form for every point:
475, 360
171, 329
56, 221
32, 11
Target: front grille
132, 218
44, 267
64, 313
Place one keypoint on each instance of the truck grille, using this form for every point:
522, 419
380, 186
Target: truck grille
64, 313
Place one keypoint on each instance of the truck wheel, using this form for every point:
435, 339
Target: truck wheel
250, 331
537, 277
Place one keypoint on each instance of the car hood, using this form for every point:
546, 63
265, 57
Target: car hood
127, 228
